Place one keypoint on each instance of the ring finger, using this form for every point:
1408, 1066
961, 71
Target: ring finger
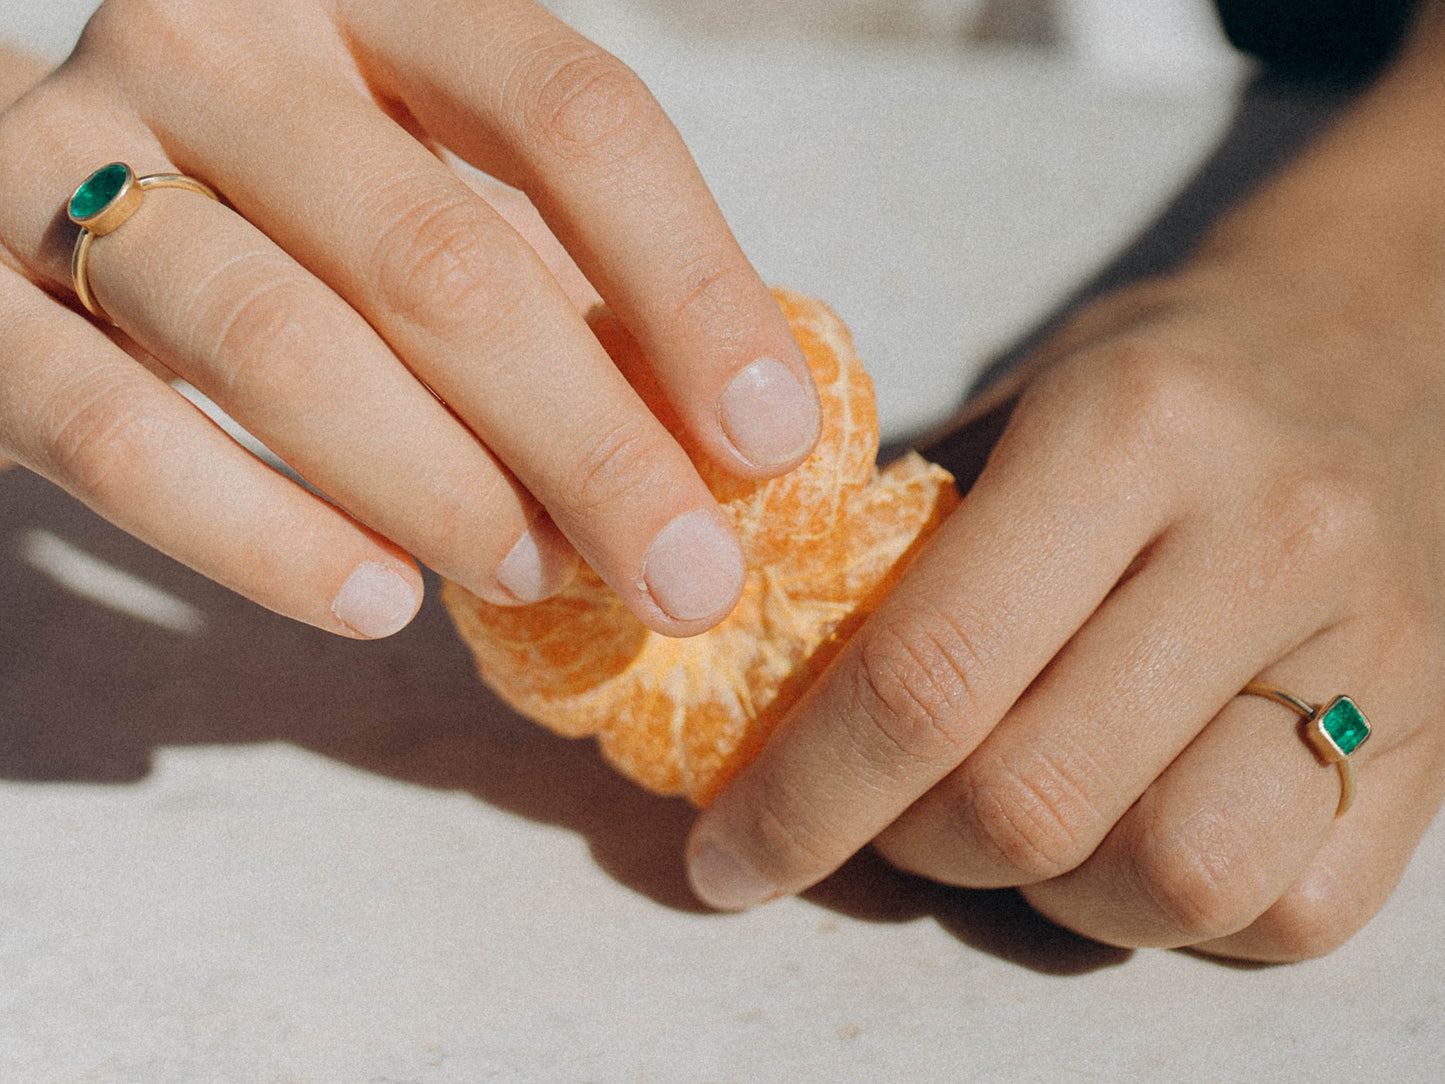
1234, 821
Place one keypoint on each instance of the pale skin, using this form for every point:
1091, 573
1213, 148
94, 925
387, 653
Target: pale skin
351, 276
1234, 473
1229, 474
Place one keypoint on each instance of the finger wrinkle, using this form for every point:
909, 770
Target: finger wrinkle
783, 831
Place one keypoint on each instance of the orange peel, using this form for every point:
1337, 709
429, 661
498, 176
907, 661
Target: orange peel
823, 544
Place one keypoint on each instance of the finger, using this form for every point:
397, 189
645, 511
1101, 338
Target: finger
1113, 710
219, 304
580, 133
1363, 858
1231, 824
472, 310
77, 410
522, 216
1400, 779
296, 366
1006, 582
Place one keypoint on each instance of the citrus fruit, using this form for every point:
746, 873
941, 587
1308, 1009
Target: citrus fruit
822, 543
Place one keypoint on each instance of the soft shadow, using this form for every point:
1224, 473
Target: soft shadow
1230, 962
89, 695
1276, 118
996, 921
1018, 23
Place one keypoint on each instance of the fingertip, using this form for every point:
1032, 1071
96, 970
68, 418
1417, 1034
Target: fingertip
724, 880
540, 563
769, 415
376, 601
693, 570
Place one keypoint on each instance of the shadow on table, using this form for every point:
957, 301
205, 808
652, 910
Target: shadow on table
89, 694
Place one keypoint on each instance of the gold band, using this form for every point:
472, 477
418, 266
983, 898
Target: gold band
1334, 730
126, 201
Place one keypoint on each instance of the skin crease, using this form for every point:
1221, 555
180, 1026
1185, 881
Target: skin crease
1228, 473
1234, 472
376, 321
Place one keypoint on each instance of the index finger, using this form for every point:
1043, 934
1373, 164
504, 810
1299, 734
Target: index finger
1035, 547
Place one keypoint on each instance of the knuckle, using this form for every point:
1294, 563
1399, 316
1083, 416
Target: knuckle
1299, 927
1159, 401
917, 683
96, 433
130, 36
1200, 877
1033, 824
120, 21
616, 467
444, 263
590, 105
1326, 512
785, 836
716, 288
257, 336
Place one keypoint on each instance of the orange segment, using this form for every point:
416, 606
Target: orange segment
823, 545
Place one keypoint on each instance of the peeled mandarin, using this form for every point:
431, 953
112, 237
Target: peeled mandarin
823, 544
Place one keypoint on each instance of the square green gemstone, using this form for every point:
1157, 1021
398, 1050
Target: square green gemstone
97, 190
1344, 724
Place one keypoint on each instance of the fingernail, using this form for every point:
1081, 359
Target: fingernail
374, 601
694, 568
531, 572
767, 413
723, 880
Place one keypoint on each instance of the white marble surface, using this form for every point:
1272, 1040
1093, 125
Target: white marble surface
237, 849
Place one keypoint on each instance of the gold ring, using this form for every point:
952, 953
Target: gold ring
1334, 731
101, 203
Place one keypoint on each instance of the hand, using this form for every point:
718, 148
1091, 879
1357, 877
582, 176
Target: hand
350, 274
1232, 474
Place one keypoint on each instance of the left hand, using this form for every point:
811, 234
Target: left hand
1232, 474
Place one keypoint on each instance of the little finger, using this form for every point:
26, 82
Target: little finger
77, 410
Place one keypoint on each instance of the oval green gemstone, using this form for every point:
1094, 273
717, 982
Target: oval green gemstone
97, 190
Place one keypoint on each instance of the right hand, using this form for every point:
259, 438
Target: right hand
349, 274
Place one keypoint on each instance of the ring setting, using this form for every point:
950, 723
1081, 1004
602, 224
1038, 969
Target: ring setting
101, 204
1334, 730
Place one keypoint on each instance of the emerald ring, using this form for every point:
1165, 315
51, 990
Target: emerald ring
1334, 731
101, 204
